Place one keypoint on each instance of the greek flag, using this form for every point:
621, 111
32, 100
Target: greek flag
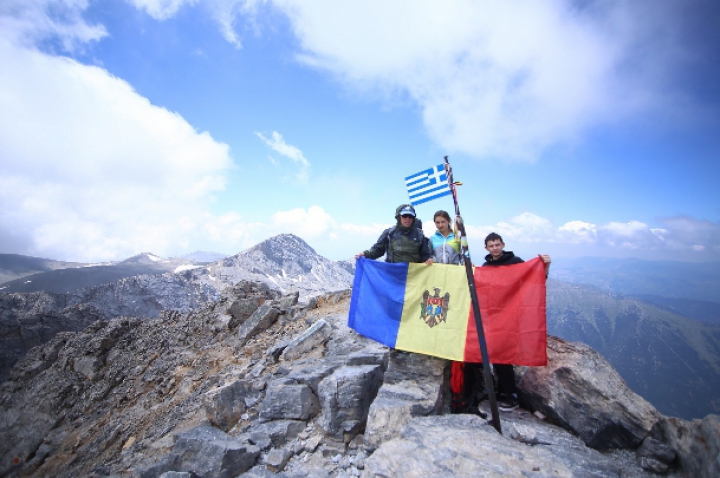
427, 185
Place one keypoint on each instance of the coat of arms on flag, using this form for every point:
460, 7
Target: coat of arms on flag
434, 308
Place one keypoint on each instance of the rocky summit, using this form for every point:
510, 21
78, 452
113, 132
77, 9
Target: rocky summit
284, 262
257, 384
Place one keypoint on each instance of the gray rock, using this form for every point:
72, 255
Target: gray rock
275, 351
345, 398
260, 320
262, 471
459, 445
311, 372
654, 455
225, 405
308, 340
279, 432
156, 376
208, 452
580, 391
696, 444
567, 448
89, 366
414, 385
243, 308
277, 458
287, 301
289, 401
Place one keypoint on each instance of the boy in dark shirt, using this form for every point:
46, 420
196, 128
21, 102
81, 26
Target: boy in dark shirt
507, 392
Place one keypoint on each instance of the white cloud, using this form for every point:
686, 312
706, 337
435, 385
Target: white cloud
277, 143
578, 231
92, 170
681, 237
625, 229
161, 9
314, 222
499, 78
27, 23
224, 12
526, 227
503, 78
329, 237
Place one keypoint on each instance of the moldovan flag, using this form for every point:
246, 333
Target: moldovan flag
428, 310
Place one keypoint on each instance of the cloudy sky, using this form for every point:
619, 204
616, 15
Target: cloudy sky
578, 128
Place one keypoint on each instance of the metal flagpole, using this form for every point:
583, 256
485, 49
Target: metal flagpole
489, 383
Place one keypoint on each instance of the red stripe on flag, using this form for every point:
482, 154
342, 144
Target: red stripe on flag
513, 306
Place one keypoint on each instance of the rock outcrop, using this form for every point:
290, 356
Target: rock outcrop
259, 385
284, 263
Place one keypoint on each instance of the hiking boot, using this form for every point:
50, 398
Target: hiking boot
507, 403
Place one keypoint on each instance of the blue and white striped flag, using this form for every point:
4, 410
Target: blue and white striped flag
427, 185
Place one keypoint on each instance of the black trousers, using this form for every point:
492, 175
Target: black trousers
505, 379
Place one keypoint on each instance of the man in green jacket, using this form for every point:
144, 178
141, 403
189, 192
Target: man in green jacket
404, 242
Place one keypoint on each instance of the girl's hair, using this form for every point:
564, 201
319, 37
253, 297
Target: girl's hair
443, 214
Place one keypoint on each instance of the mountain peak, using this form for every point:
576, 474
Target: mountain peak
143, 258
285, 262
289, 242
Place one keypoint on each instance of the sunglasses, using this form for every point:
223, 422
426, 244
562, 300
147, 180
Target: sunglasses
407, 216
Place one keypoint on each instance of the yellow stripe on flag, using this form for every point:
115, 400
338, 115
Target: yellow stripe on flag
441, 331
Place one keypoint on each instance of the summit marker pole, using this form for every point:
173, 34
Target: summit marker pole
489, 383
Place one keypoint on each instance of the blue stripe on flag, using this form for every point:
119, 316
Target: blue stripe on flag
377, 300
427, 185
415, 202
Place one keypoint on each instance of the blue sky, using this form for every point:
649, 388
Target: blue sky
577, 128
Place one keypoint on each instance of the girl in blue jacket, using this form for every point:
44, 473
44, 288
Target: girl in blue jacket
445, 248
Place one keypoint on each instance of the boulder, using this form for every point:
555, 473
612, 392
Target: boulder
277, 458
275, 433
261, 319
308, 340
311, 372
459, 445
581, 391
414, 385
225, 405
655, 456
288, 301
345, 398
294, 401
696, 443
208, 452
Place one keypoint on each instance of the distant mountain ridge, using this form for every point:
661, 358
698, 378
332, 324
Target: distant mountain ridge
672, 361
78, 276
673, 279
702, 310
15, 266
